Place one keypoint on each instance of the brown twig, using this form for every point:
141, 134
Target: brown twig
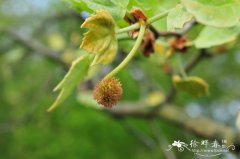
183, 31
203, 54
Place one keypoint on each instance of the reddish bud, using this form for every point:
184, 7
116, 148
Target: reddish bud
134, 16
138, 15
178, 43
108, 92
147, 45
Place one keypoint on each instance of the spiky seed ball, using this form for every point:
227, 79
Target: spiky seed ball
107, 92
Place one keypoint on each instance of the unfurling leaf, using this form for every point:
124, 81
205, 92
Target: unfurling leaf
100, 39
212, 36
217, 13
194, 86
177, 18
77, 72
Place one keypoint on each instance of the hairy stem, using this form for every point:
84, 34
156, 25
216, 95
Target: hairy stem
130, 55
137, 25
129, 28
158, 16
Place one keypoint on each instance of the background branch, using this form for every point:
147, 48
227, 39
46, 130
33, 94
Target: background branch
36, 47
180, 118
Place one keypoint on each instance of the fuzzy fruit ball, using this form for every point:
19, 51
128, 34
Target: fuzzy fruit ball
108, 92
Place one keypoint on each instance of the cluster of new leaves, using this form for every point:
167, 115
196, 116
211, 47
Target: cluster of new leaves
219, 21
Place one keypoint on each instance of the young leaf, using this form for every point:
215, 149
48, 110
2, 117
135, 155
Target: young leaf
100, 39
76, 73
212, 36
177, 18
218, 13
117, 8
194, 86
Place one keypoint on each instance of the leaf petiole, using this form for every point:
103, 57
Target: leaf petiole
130, 55
150, 21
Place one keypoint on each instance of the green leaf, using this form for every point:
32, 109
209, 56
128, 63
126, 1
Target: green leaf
148, 8
218, 13
212, 36
100, 39
77, 72
152, 7
79, 6
177, 18
117, 8
194, 86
